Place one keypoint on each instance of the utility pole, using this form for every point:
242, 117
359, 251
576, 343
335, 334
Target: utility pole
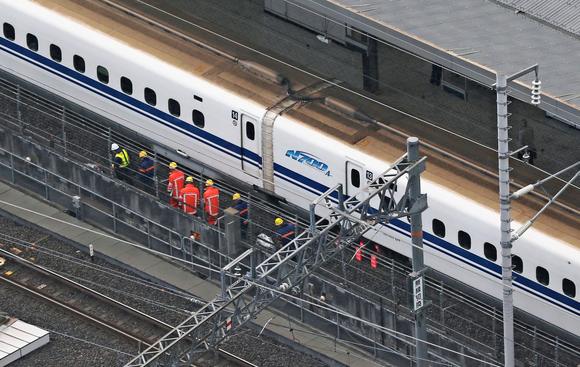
415, 196
506, 240
505, 219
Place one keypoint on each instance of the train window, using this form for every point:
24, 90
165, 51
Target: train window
490, 251
517, 264
198, 118
438, 228
355, 177
55, 53
79, 63
250, 130
197, 98
174, 107
32, 42
569, 287
150, 96
103, 74
542, 275
464, 240
126, 85
9, 31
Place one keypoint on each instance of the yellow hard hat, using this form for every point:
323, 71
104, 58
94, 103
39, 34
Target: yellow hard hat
189, 179
209, 182
142, 154
236, 196
278, 221
173, 165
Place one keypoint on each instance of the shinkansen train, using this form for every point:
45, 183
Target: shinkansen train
293, 140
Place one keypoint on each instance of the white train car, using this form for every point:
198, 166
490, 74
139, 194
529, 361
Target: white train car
200, 104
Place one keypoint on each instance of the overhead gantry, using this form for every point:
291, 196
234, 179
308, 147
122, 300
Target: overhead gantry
343, 221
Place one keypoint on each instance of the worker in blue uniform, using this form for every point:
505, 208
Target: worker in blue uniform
285, 231
242, 207
146, 171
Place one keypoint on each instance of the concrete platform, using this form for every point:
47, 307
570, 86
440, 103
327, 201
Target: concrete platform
142, 260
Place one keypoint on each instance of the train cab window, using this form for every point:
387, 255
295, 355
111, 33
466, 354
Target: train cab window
569, 287
517, 264
103, 74
126, 85
174, 107
150, 96
542, 275
490, 251
438, 228
355, 177
250, 130
198, 118
464, 239
79, 63
55, 53
32, 42
9, 32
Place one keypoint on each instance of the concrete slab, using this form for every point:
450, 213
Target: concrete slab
4, 188
137, 258
182, 279
86, 238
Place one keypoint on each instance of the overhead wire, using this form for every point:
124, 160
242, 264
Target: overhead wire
327, 80
218, 271
427, 249
211, 269
104, 270
172, 257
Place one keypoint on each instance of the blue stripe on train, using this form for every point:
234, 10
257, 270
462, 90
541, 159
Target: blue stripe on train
282, 172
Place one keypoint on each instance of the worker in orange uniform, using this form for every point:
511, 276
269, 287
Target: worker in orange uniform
211, 202
175, 184
190, 197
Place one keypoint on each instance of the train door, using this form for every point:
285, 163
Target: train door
355, 179
250, 144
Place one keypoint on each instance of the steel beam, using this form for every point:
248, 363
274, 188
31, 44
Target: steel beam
344, 221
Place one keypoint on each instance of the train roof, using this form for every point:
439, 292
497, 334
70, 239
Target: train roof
366, 137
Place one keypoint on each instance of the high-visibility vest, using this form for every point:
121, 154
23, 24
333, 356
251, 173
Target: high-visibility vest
190, 198
211, 201
175, 183
124, 157
374, 261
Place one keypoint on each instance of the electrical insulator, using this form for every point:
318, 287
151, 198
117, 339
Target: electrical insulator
536, 92
374, 261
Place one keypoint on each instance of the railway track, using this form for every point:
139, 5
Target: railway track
97, 307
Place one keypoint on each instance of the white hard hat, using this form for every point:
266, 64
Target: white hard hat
114, 146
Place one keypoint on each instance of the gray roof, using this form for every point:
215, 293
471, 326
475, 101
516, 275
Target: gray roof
564, 14
476, 38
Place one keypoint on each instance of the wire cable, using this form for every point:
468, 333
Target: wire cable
216, 271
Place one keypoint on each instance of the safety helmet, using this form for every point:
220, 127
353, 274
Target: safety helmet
142, 154
236, 196
173, 165
278, 221
189, 179
209, 182
114, 146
